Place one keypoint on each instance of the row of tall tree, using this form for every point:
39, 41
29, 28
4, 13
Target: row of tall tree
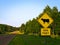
6, 28
33, 26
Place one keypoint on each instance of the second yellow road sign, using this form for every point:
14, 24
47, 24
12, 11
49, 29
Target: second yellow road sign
45, 31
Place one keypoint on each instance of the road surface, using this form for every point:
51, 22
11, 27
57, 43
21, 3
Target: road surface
5, 39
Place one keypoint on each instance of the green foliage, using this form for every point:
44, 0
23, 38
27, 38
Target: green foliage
22, 28
32, 26
33, 40
6, 28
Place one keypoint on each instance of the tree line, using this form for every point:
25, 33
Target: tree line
6, 28
33, 26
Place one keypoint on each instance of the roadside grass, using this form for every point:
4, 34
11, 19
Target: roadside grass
15, 32
34, 40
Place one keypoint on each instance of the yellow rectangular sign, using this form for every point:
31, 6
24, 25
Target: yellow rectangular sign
45, 32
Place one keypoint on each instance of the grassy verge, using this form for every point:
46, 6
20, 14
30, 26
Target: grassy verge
34, 40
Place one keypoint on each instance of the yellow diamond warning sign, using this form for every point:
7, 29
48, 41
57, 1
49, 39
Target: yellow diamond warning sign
45, 20
45, 32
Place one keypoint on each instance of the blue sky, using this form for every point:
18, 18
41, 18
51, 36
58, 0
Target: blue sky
16, 12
